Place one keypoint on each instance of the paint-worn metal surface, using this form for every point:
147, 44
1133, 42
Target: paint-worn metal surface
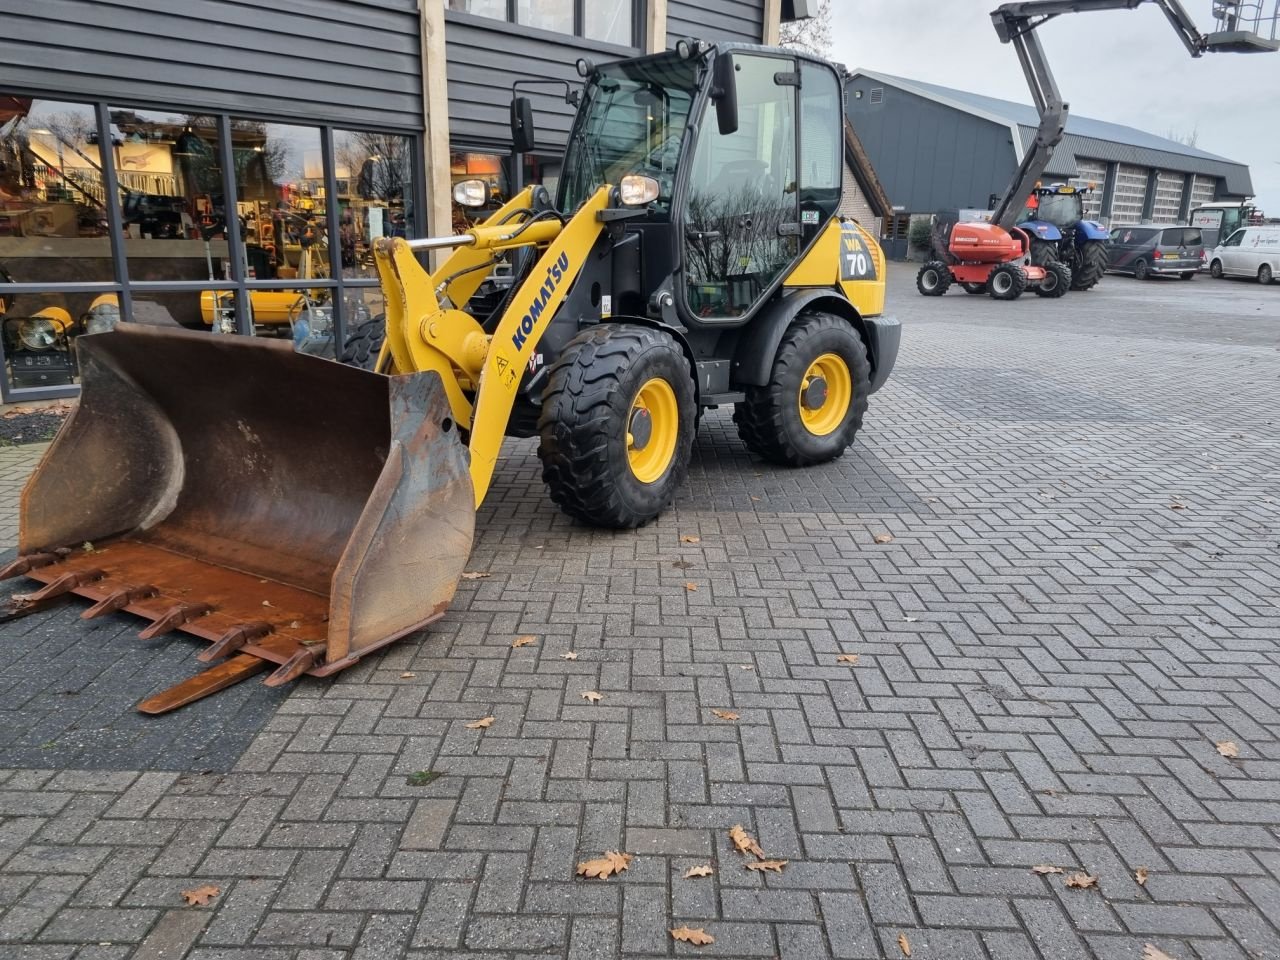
278, 505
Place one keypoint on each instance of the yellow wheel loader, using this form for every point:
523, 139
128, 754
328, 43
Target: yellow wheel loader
299, 513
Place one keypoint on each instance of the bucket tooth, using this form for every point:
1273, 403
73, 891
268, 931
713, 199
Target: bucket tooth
66, 583
25, 564
229, 672
303, 660
118, 600
175, 617
234, 639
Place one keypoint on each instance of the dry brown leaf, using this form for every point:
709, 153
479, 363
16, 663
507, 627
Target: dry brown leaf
570, 655
1150, 952
1141, 875
690, 539
477, 575
744, 841
746, 666
1177, 506
527, 640
484, 723
703, 871
904, 944
591, 696
725, 714
407, 675
883, 538
1046, 868
774, 865
1228, 749
849, 658
691, 586
200, 896
1082, 881
695, 935
604, 867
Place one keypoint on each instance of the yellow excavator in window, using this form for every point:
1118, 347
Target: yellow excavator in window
300, 513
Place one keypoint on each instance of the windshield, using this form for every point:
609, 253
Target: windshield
1060, 209
632, 120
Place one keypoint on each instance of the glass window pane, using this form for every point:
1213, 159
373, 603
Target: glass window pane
610, 21
375, 194
280, 200
554, 15
483, 8
821, 144
53, 215
171, 197
39, 331
488, 167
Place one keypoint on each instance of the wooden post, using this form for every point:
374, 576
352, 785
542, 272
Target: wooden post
772, 22
435, 108
655, 27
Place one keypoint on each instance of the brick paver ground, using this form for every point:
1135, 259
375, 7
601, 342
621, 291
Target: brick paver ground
1079, 602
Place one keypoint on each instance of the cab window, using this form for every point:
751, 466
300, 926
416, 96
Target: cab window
1235, 239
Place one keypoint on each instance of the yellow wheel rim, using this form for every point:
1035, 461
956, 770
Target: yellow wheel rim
653, 427
826, 393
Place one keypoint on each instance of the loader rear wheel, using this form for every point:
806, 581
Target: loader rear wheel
1091, 265
362, 347
1007, 282
617, 425
934, 279
812, 406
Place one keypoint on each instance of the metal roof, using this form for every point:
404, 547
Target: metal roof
1085, 137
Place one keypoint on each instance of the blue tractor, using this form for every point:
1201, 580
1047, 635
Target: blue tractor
1054, 219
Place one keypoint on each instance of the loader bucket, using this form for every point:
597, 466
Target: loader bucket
293, 511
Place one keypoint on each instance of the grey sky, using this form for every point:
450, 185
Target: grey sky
1126, 66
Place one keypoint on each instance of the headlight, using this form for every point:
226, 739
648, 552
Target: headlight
636, 190
44, 330
103, 314
470, 193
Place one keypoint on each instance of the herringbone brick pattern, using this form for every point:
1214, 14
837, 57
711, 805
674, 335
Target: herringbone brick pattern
1079, 602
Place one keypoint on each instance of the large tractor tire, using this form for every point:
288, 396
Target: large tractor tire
812, 407
1043, 253
617, 425
1056, 282
1092, 265
1007, 282
364, 344
934, 279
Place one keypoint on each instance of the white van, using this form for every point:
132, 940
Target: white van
1249, 252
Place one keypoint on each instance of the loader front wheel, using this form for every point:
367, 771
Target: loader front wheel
365, 343
617, 425
812, 406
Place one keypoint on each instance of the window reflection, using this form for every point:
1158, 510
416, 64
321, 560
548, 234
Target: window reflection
374, 172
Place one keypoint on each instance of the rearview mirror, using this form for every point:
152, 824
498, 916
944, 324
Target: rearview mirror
725, 94
522, 137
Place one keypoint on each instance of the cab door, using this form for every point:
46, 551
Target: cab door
741, 217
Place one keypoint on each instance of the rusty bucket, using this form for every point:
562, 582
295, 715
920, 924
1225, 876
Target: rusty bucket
291, 510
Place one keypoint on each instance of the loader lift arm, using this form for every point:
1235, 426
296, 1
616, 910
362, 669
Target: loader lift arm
1016, 23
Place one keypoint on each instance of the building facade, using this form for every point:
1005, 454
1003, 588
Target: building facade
225, 165
937, 148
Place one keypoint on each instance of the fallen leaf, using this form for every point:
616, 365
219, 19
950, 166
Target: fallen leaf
774, 865
691, 586
1228, 749
1046, 868
569, 656
484, 723
591, 696
883, 538
703, 871
744, 841
697, 936
527, 640
267, 603
421, 778
1082, 881
746, 666
690, 539
756, 499
1150, 952
849, 658
911, 619
407, 675
1141, 875
294, 625
1177, 506
477, 575
725, 714
88, 547
200, 896
681, 564
604, 867
904, 944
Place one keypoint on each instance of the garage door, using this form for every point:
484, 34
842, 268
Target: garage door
1095, 172
1130, 194
1168, 203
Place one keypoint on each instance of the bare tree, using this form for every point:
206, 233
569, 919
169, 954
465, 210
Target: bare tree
1187, 139
812, 35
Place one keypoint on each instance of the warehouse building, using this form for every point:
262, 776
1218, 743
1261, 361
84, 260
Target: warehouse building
136, 137
935, 148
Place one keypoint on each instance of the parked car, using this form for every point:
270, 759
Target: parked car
1249, 252
1151, 249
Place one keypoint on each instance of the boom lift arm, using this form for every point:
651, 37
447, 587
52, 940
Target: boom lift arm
1016, 23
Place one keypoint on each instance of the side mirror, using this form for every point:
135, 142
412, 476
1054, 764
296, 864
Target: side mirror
725, 93
522, 137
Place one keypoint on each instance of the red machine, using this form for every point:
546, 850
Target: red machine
984, 258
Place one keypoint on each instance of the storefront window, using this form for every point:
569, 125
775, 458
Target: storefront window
610, 22
483, 8
40, 331
554, 15
374, 172
53, 214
